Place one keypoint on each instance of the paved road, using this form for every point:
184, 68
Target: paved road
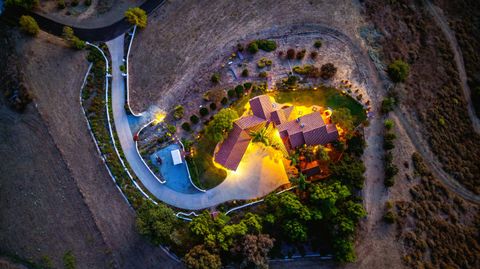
254, 178
442, 22
89, 34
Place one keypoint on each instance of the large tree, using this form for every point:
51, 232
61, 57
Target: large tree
156, 222
221, 124
254, 250
136, 16
199, 257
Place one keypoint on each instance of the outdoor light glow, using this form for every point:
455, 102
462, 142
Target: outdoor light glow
159, 117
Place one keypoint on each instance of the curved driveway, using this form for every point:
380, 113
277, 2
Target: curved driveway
256, 177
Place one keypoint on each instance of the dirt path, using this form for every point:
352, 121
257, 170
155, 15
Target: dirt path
442, 22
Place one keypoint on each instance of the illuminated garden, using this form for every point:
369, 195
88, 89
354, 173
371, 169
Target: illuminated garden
293, 139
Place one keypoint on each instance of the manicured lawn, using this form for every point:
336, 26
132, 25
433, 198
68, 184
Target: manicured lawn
209, 176
323, 96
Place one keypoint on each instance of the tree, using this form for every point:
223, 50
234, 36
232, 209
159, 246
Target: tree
267, 45
322, 153
300, 181
398, 71
317, 44
27, 4
328, 70
203, 111
387, 105
200, 258
29, 25
260, 136
69, 260
388, 123
136, 16
156, 222
215, 78
254, 250
291, 54
295, 231
344, 250
186, 126
343, 118
72, 40
178, 112
252, 47
326, 196
194, 119
221, 124
213, 106
301, 54
349, 171
239, 91
245, 72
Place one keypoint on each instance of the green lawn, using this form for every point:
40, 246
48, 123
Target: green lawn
209, 176
324, 96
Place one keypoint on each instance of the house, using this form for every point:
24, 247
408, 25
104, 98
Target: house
309, 129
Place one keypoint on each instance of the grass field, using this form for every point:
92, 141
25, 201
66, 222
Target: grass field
324, 96
208, 174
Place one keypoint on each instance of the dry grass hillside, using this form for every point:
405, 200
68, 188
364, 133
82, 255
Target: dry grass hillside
184, 39
69, 200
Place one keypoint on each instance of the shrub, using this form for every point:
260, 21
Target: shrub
328, 70
123, 68
267, 45
264, 62
203, 111
200, 258
194, 119
387, 105
136, 16
301, 54
224, 101
171, 128
71, 39
245, 72
240, 47
74, 3
291, 54
313, 54
156, 222
186, 126
221, 124
29, 25
398, 71
247, 85
178, 112
231, 93
390, 216
88, 2
317, 44
69, 260
213, 106
61, 4
263, 74
388, 124
27, 4
252, 47
215, 78
239, 90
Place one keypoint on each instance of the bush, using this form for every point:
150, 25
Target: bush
224, 101
239, 90
231, 93
221, 124
388, 123
263, 74
328, 70
264, 62
291, 54
387, 105
247, 85
301, 54
398, 71
267, 45
213, 106
390, 216
245, 72
240, 47
186, 126
313, 54
123, 68
61, 4
252, 47
69, 260
136, 16
88, 2
203, 111
178, 112
194, 119
71, 39
29, 25
74, 3
317, 44
215, 78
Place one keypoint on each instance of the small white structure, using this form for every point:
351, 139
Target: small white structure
176, 157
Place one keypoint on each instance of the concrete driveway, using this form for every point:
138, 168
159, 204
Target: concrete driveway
260, 173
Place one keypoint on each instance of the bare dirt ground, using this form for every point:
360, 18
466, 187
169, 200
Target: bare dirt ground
99, 13
68, 199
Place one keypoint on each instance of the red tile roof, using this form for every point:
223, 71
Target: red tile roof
233, 148
262, 106
249, 122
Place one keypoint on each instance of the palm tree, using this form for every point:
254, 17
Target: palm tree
260, 136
